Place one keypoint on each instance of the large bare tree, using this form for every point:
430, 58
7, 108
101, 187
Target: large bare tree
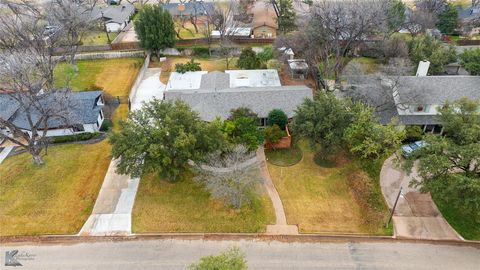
232, 176
31, 106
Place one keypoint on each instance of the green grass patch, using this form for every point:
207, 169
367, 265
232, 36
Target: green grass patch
466, 223
114, 76
184, 206
284, 156
98, 38
55, 198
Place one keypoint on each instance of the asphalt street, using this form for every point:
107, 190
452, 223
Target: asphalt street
178, 254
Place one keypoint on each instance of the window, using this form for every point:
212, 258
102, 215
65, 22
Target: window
78, 128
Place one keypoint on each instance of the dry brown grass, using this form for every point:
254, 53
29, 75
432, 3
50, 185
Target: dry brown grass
210, 64
319, 199
184, 206
55, 198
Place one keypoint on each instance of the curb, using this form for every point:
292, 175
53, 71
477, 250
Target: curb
302, 238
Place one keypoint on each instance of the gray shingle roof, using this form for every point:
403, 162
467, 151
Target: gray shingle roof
113, 13
201, 8
438, 89
210, 103
84, 111
215, 80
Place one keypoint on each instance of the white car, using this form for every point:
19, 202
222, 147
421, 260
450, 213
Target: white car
408, 149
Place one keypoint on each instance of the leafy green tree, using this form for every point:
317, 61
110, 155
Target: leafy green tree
266, 54
396, 15
286, 16
273, 134
413, 133
470, 60
243, 131
448, 19
161, 138
427, 48
449, 166
242, 112
322, 120
189, 66
367, 138
277, 117
155, 29
248, 60
232, 259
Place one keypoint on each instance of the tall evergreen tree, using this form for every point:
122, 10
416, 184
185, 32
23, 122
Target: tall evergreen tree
155, 29
448, 19
286, 16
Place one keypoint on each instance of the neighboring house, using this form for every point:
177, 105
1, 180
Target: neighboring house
115, 17
264, 23
216, 93
412, 100
187, 9
467, 18
86, 114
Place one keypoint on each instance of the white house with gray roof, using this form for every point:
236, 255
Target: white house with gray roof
115, 17
86, 115
217, 93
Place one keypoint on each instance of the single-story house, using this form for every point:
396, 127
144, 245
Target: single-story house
86, 114
412, 100
467, 18
264, 23
115, 17
220, 92
191, 8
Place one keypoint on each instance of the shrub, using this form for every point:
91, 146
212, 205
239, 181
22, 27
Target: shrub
242, 112
106, 125
232, 259
274, 64
75, 138
470, 59
273, 134
277, 117
266, 54
413, 133
186, 67
201, 52
248, 60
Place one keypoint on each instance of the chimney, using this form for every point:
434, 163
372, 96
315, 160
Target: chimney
422, 69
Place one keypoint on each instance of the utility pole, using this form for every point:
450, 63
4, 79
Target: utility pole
394, 206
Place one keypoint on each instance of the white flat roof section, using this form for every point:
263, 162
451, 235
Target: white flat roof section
150, 88
253, 78
188, 80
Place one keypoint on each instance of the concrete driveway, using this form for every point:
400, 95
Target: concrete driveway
416, 215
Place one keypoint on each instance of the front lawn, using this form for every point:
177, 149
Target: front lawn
98, 38
183, 206
466, 223
114, 76
55, 198
324, 200
285, 156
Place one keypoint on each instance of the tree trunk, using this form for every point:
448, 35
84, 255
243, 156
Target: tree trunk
37, 159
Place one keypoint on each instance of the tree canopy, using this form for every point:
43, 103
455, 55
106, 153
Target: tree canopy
322, 120
161, 138
248, 59
286, 16
449, 165
155, 28
470, 60
448, 19
277, 117
428, 48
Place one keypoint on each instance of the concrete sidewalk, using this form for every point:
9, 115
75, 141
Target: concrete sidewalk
112, 213
416, 215
280, 227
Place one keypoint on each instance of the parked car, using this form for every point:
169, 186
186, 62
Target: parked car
408, 149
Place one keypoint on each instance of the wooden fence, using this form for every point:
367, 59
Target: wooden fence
468, 42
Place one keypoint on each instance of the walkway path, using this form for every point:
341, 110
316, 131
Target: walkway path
112, 213
280, 226
416, 215
4, 152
